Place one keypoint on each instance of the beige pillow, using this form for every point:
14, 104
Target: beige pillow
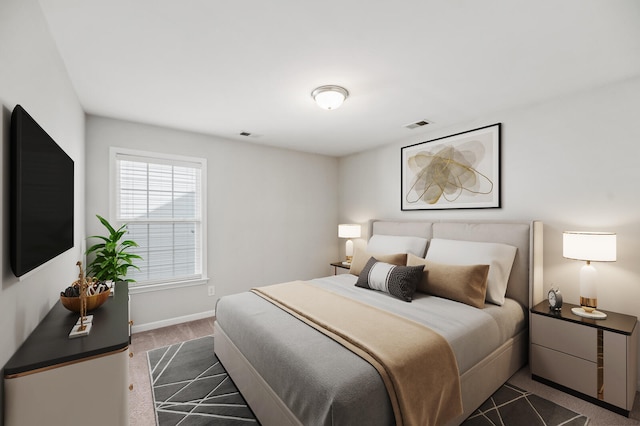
462, 283
361, 257
499, 256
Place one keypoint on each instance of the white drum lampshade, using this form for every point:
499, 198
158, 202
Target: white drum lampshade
349, 231
590, 247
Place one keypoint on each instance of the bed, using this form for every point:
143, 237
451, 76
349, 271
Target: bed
291, 374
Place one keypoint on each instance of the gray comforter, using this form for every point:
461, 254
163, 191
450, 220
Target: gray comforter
325, 384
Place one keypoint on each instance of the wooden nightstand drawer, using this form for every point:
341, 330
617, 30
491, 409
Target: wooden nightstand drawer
566, 370
563, 336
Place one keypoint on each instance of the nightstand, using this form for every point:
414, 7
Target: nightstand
596, 360
344, 268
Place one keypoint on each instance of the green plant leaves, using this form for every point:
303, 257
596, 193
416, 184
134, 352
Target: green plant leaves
111, 259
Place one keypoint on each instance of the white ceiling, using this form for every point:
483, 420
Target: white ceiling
224, 66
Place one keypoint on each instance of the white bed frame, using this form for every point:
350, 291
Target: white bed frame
477, 383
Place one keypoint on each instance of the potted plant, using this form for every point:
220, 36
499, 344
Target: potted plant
112, 259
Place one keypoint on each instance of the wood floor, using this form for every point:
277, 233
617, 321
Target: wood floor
141, 411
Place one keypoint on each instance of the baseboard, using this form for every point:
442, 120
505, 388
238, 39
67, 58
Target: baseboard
138, 328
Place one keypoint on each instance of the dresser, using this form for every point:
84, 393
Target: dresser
55, 380
593, 359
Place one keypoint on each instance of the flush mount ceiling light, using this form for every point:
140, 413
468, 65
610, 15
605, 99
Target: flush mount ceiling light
329, 97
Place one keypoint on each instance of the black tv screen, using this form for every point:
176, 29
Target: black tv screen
41, 195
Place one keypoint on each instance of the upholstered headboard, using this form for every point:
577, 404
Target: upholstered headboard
525, 281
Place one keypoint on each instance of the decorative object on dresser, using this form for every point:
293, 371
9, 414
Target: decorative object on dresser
93, 301
112, 258
83, 295
349, 231
593, 360
592, 247
453, 172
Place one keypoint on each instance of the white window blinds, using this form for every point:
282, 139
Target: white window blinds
161, 200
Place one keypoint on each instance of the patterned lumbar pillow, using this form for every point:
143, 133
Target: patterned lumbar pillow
361, 257
399, 281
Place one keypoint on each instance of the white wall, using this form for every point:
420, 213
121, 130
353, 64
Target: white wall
32, 74
572, 163
272, 213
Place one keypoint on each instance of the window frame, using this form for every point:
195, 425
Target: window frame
114, 201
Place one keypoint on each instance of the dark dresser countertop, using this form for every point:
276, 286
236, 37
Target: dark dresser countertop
49, 344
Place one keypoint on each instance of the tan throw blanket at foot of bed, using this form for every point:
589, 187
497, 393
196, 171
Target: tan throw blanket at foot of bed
416, 364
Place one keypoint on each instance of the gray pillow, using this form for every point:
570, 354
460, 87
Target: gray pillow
399, 281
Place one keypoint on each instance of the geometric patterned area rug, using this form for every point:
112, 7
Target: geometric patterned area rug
511, 405
190, 387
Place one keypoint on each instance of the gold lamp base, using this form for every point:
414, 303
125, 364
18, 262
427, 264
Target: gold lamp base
587, 308
589, 304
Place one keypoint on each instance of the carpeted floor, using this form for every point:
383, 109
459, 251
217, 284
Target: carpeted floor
190, 387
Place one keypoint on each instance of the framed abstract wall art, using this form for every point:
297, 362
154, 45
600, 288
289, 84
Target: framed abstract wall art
460, 171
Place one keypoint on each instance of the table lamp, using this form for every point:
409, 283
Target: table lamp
591, 247
348, 231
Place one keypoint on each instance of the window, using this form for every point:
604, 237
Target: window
161, 198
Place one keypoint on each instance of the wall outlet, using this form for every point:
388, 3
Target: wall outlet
211, 290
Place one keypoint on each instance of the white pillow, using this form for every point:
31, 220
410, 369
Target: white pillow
498, 256
389, 244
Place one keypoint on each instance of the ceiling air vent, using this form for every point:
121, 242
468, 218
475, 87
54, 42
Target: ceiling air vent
417, 124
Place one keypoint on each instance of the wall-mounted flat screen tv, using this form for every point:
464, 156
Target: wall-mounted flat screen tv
41, 195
